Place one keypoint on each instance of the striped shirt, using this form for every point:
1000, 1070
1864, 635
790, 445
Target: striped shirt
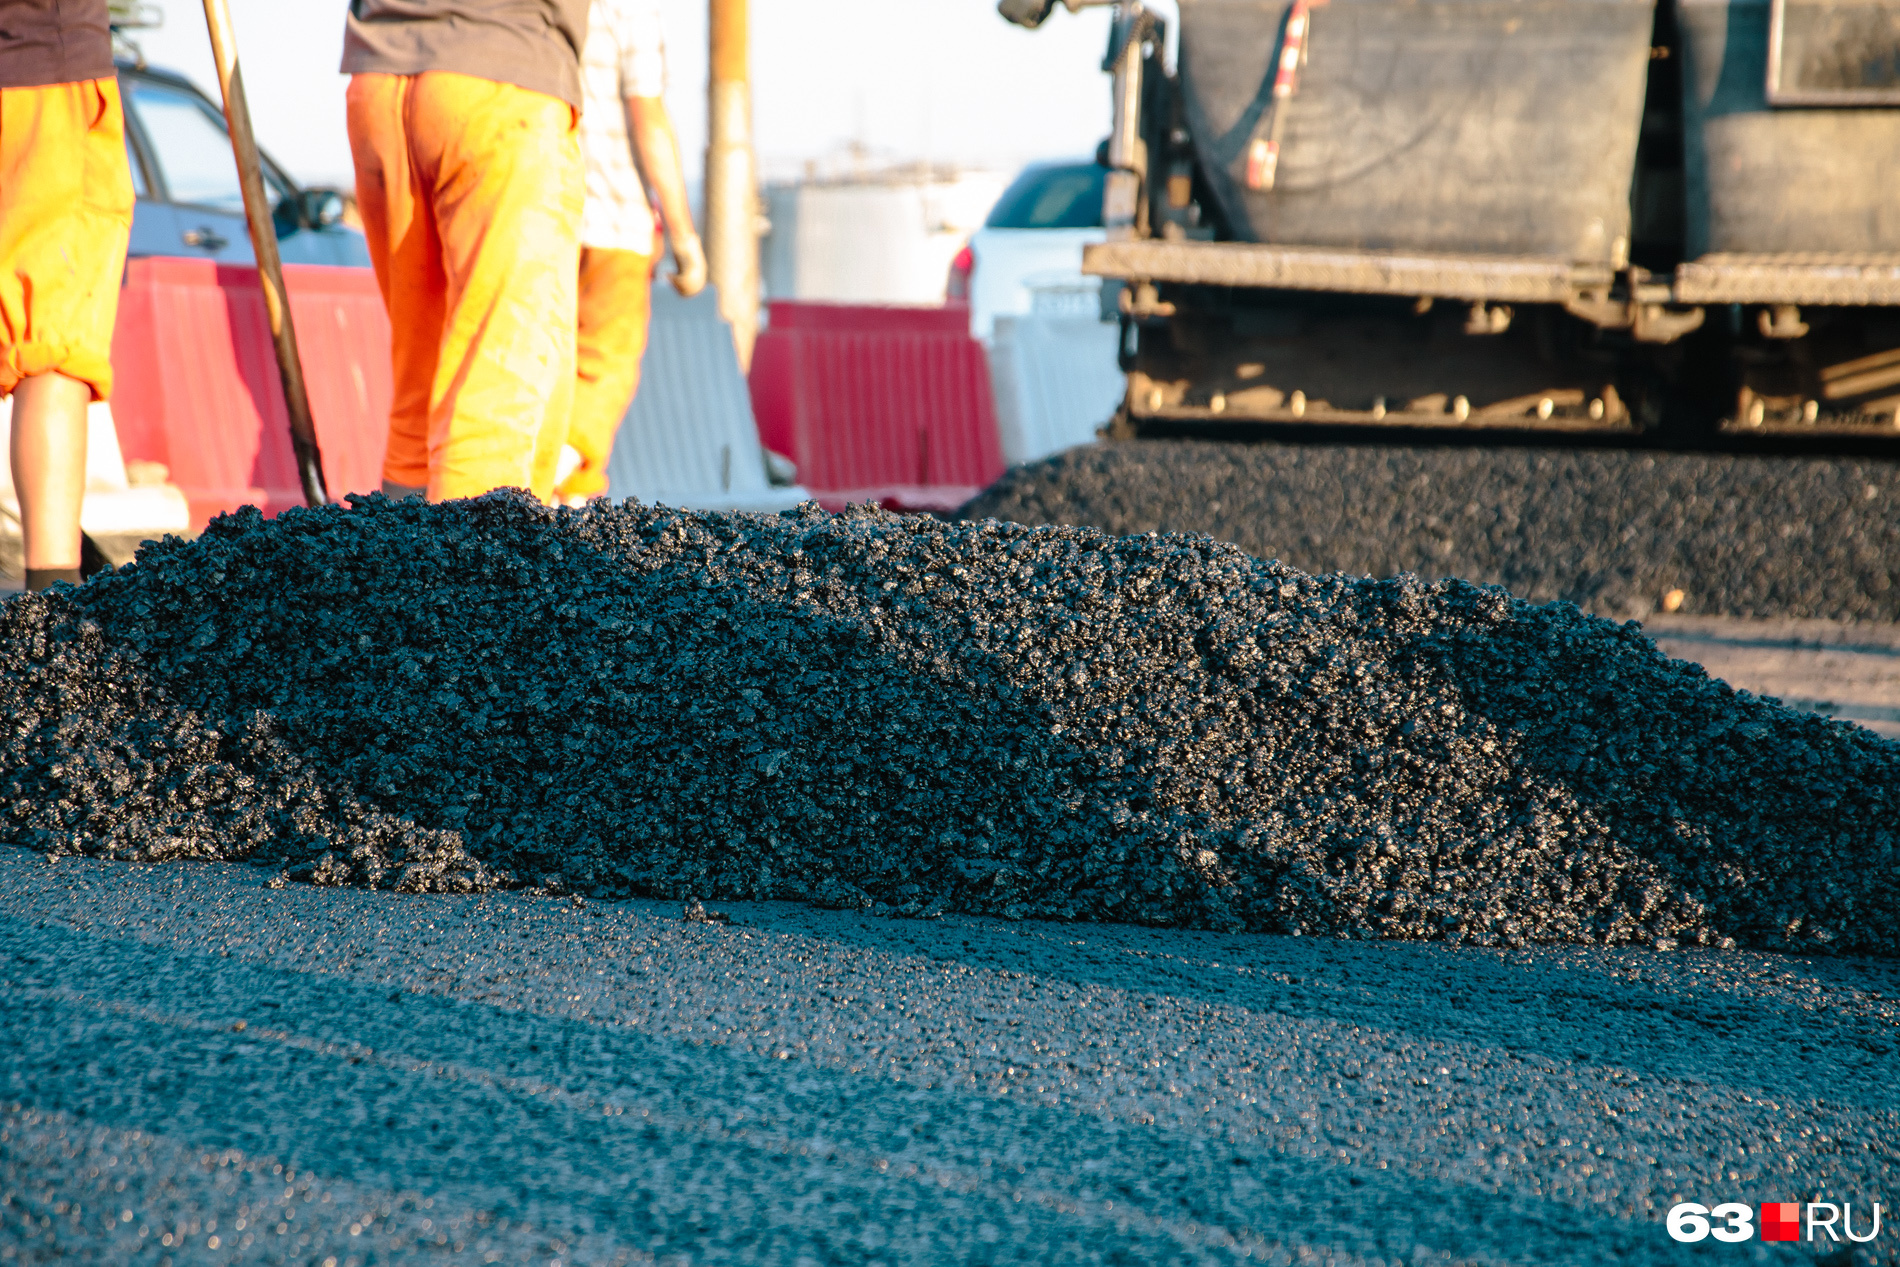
625, 56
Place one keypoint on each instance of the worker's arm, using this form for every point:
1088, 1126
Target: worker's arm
651, 129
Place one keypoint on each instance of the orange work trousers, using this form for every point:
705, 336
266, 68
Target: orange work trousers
616, 304
471, 194
65, 218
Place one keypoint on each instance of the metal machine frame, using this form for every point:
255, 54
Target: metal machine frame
1219, 332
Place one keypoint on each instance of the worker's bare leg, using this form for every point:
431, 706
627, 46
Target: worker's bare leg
49, 473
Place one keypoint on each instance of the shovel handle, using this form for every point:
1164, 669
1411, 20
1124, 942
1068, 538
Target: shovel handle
270, 268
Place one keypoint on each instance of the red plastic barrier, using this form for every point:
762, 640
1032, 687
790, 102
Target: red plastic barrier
197, 385
881, 404
871, 318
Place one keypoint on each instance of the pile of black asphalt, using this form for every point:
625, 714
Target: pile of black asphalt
1612, 531
909, 716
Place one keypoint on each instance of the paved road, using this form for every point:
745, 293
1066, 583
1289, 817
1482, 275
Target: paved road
303, 1075
1849, 671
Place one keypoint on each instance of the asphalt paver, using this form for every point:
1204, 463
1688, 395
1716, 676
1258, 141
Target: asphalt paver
201, 1068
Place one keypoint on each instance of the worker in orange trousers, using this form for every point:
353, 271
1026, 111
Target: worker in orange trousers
629, 147
65, 219
464, 127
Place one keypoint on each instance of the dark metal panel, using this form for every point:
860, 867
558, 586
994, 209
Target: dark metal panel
1826, 53
1762, 179
1497, 126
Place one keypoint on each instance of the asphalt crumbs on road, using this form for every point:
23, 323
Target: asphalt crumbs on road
200, 1068
1611, 530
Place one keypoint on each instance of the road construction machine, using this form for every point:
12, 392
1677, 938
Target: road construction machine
1629, 216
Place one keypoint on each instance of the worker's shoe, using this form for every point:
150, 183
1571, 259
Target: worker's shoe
38, 579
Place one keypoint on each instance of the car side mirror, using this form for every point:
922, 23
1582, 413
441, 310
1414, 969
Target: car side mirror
322, 208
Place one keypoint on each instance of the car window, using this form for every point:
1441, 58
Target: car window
137, 168
191, 148
1068, 197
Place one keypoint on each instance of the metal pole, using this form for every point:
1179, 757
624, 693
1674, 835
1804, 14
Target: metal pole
1127, 158
732, 200
1124, 134
270, 269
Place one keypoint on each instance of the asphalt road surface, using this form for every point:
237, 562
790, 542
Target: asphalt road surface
198, 1068
1840, 669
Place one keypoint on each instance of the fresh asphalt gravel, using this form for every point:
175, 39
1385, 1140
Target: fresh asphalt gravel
1612, 531
894, 713
199, 1068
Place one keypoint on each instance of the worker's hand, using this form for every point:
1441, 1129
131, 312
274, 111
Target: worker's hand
689, 259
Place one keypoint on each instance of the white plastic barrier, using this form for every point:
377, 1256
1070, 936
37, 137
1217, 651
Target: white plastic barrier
1056, 381
689, 439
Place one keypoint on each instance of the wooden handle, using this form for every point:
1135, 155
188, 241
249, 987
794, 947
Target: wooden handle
270, 269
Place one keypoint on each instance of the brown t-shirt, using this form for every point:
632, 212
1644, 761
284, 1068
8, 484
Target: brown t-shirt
534, 44
54, 42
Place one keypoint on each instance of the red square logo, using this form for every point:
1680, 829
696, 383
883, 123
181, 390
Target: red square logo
1781, 1221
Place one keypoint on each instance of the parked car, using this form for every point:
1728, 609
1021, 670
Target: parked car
189, 200
1027, 257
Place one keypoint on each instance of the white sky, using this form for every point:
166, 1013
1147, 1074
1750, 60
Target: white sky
946, 80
